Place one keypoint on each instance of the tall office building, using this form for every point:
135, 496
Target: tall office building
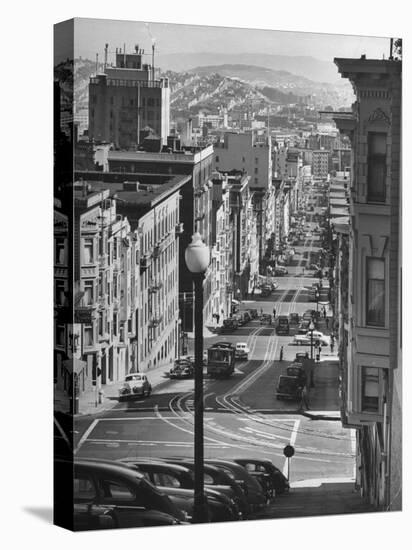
127, 104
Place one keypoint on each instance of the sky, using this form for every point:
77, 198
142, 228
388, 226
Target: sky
92, 34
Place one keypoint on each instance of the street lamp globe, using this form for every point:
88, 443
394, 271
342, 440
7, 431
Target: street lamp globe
197, 255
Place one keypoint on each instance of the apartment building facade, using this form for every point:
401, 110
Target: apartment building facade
94, 322
195, 207
243, 221
222, 247
320, 163
371, 340
244, 151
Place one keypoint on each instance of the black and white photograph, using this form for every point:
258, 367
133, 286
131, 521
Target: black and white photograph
227, 274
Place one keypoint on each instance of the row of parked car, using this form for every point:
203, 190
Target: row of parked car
136, 492
239, 319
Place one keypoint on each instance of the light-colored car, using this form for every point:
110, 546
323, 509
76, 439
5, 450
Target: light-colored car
135, 385
301, 340
319, 337
242, 351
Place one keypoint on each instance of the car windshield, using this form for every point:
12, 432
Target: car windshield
133, 377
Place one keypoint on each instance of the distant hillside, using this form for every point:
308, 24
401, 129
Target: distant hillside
305, 66
193, 92
212, 87
255, 75
261, 77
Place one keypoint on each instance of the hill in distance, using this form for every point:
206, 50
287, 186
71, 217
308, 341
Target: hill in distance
305, 66
261, 76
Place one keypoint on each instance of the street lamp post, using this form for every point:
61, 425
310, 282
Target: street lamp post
311, 328
197, 257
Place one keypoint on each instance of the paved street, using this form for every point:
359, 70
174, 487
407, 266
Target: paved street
242, 416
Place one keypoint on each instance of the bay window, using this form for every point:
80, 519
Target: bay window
376, 167
375, 292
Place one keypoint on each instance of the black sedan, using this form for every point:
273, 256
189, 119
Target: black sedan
277, 483
178, 483
182, 368
217, 479
110, 495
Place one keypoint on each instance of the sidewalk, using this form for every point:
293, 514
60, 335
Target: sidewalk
88, 400
318, 498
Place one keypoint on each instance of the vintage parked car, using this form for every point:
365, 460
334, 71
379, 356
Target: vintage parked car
318, 337
289, 387
177, 482
280, 271
252, 488
310, 314
183, 368
230, 324
218, 480
253, 313
301, 340
242, 351
277, 482
135, 385
294, 318
110, 495
266, 290
266, 319
304, 326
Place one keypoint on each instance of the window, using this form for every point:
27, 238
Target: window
83, 488
165, 480
256, 160
243, 159
101, 323
256, 170
370, 389
88, 293
116, 490
60, 298
60, 335
60, 251
115, 324
88, 335
88, 251
375, 292
376, 167
217, 158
